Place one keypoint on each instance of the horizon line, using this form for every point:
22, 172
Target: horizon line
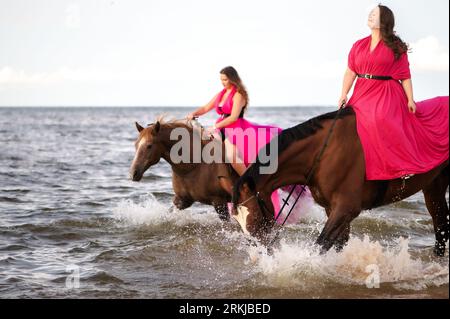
153, 106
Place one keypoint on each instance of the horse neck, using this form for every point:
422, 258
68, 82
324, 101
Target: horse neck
294, 165
178, 168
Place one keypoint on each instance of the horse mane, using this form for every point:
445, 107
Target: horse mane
170, 123
284, 140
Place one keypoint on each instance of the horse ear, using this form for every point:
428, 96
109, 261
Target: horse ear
139, 128
249, 184
245, 187
156, 128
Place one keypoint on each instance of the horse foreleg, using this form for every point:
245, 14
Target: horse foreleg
181, 202
222, 211
337, 228
438, 208
343, 238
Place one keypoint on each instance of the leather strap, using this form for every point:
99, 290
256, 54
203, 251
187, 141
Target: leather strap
225, 115
374, 77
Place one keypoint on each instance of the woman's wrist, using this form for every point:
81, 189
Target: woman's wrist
343, 98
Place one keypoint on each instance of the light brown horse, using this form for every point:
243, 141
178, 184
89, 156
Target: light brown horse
207, 183
338, 183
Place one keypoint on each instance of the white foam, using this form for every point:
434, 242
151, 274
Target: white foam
150, 211
298, 264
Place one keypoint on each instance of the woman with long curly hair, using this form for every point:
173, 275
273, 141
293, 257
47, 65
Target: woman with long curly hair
399, 137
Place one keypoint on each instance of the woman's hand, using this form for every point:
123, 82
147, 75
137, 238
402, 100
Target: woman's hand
412, 106
211, 131
342, 101
190, 116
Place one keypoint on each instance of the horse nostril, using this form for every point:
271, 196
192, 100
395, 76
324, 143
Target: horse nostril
134, 175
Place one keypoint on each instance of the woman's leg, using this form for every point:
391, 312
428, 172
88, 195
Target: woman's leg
233, 157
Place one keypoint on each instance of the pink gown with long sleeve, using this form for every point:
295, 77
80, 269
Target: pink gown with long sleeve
395, 142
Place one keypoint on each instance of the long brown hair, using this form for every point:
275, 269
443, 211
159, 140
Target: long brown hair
387, 23
234, 78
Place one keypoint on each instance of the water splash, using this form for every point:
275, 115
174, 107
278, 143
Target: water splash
301, 265
150, 211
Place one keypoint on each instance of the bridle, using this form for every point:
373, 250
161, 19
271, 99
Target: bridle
261, 204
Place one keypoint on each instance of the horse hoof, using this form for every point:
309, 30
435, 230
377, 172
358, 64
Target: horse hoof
325, 247
439, 251
224, 218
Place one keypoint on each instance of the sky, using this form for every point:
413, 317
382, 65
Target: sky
170, 52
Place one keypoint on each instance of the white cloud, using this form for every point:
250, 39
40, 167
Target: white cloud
428, 54
320, 70
170, 52
11, 76
73, 16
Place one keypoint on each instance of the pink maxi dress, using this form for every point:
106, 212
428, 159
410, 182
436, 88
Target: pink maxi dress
395, 142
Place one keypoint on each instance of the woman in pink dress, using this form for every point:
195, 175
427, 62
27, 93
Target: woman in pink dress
399, 137
231, 104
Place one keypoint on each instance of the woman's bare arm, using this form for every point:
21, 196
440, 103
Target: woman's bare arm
407, 86
203, 109
347, 83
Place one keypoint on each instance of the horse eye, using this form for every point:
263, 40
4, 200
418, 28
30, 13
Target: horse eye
149, 146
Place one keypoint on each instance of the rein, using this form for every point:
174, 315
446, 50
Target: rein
311, 172
245, 201
262, 205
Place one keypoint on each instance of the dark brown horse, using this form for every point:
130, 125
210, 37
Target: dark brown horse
338, 183
207, 183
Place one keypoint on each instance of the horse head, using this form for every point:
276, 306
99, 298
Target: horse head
148, 150
252, 208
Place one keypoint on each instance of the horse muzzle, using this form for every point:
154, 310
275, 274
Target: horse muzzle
135, 175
